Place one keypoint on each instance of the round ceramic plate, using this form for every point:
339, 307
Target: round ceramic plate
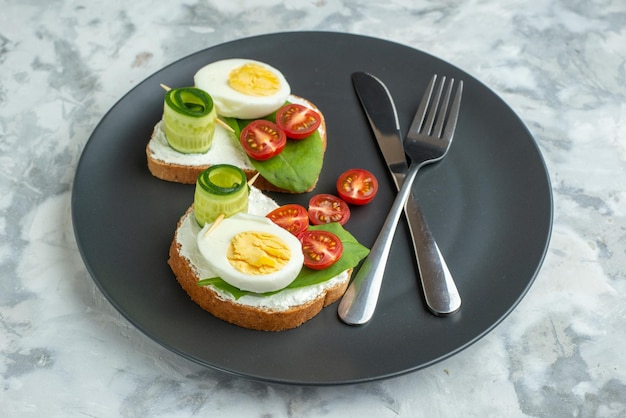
488, 203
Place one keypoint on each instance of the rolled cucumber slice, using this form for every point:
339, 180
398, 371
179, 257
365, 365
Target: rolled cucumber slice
189, 118
220, 189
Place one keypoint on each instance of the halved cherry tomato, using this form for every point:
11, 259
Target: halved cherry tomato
357, 186
262, 139
326, 208
297, 121
294, 218
321, 249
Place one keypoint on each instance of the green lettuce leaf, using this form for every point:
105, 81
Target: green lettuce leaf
353, 253
296, 168
222, 285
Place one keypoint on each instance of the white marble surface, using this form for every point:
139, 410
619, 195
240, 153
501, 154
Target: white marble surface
65, 351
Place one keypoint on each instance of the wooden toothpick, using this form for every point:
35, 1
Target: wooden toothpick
253, 179
224, 125
215, 224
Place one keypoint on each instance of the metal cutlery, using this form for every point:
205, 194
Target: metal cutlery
440, 292
427, 141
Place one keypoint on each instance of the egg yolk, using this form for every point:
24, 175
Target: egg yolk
254, 80
257, 253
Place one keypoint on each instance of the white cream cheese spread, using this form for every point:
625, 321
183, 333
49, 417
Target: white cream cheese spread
223, 150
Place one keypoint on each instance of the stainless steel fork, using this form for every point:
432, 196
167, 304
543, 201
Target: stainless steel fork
427, 141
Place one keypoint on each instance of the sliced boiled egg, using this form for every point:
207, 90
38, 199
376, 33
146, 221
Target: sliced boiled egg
251, 253
243, 88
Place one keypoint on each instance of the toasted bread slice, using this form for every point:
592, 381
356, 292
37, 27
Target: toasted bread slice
284, 310
167, 164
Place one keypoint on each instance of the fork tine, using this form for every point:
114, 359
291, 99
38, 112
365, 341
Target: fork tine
418, 120
448, 132
441, 109
432, 110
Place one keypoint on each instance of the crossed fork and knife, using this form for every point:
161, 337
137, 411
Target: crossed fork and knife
427, 141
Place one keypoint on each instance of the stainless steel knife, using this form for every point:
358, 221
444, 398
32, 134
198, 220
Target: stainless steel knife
440, 291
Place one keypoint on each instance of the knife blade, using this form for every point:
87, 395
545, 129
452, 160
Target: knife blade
440, 292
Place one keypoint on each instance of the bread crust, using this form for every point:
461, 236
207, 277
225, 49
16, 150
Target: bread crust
247, 316
187, 174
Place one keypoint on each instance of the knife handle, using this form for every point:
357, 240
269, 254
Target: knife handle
440, 291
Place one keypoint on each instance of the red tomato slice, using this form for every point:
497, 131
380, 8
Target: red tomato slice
326, 208
294, 218
321, 249
262, 139
357, 186
297, 121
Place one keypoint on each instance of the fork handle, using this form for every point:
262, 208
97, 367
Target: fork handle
440, 291
359, 302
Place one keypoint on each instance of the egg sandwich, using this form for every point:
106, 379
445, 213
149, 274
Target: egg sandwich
240, 92
249, 271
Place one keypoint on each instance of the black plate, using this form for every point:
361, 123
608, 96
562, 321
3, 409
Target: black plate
488, 203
